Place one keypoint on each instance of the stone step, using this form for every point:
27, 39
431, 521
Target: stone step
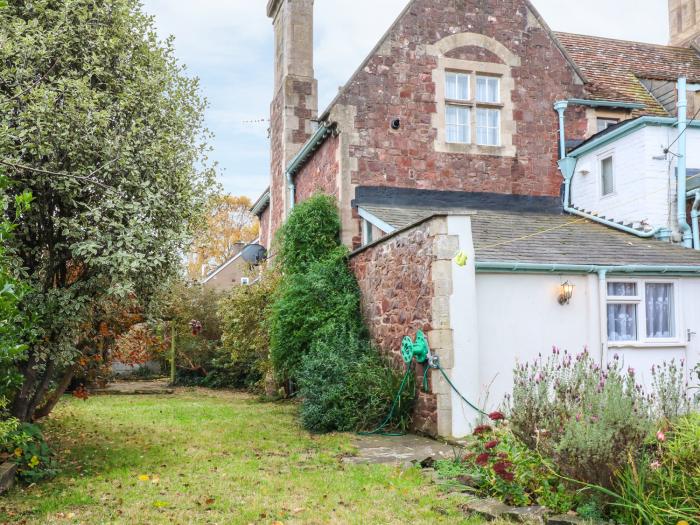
8, 471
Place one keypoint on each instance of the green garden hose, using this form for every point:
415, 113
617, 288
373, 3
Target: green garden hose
397, 398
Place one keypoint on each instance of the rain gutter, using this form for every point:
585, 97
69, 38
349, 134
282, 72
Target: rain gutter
510, 267
325, 129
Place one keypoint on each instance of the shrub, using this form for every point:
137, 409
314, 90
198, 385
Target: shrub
663, 486
307, 303
497, 464
670, 396
26, 447
310, 234
345, 385
586, 419
244, 314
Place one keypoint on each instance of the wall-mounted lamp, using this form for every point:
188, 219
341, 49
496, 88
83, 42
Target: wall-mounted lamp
566, 291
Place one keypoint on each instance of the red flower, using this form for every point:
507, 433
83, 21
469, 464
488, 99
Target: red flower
496, 416
491, 444
501, 470
482, 459
481, 429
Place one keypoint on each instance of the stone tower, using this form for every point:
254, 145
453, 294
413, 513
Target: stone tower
295, 99
684, 21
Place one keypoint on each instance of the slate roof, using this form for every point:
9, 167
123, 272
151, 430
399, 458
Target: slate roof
548, 238
614, 67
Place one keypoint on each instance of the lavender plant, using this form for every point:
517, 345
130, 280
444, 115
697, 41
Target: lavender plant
585, 418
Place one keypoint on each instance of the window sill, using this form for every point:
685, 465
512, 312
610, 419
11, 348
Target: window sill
645, 344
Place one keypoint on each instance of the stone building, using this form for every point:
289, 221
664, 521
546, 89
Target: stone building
459, 131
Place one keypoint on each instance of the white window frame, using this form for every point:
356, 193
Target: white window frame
366, 232
640, 300
471, 105
602, 157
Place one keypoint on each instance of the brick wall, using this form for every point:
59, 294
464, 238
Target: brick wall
320, 174
397, 292
397, 82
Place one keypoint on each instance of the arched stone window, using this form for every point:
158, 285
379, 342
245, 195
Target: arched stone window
473, 84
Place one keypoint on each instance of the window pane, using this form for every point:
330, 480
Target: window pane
660, 310
463, 87
606, 170
456, 86
486, 89
451, 85
487, 126
622, 289
622, 322
605, 123
457, 124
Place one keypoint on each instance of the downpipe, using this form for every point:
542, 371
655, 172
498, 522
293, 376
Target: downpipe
683, 225
567, 166
292, 191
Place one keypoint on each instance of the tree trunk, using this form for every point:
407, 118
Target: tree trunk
51, 401
23, 398
41, 389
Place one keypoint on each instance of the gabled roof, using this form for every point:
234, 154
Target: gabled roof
262, 203
615, 68
407, 9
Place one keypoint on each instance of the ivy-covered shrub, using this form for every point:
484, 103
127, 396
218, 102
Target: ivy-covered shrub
245, 314
318, 341
311, 232
587, 420
346, 385
663, 485
497, 464
326, 294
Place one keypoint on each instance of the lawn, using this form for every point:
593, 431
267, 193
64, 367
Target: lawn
218, 458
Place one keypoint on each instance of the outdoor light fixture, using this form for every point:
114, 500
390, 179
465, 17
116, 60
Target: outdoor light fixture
566, 291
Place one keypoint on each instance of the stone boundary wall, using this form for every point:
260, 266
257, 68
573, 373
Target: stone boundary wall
405, 281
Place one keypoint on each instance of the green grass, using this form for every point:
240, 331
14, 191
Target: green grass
214, 458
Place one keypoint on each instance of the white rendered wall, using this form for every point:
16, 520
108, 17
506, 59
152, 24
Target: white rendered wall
641, 184
518, 316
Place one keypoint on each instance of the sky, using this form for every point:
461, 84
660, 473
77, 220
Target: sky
227, 44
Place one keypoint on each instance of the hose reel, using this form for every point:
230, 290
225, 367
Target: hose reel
418, 350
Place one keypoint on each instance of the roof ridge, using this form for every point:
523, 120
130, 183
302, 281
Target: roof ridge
665, 46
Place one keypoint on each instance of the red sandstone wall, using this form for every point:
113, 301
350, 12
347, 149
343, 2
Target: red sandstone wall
397, 291
320, 174
400, 84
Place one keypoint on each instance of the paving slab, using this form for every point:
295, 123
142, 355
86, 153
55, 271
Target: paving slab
125, 388
399, 449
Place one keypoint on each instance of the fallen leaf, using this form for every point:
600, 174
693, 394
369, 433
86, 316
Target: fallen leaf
209, 501
144, 477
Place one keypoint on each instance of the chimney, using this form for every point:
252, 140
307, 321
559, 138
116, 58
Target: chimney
684, 22
295, 99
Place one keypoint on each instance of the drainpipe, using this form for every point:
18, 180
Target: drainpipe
603, 316
292, 191
567, 165
695, 215
683, 225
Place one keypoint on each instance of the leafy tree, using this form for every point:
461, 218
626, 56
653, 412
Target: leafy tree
100, 123
227, 222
